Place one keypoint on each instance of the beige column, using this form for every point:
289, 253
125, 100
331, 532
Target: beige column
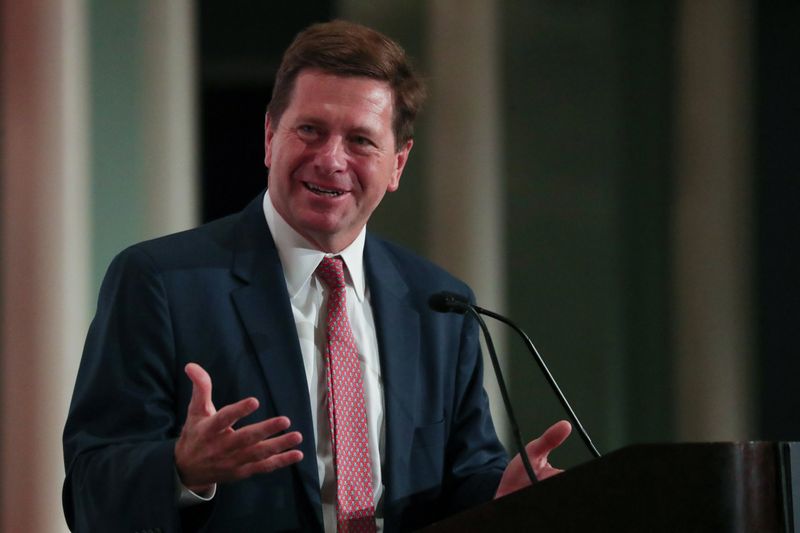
169, 105
713, 224
464, 166
44, 250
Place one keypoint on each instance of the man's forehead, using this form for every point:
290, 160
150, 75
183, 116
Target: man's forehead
319, 90
337, 79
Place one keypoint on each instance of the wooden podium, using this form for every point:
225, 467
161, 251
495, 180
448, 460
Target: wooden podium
715, 487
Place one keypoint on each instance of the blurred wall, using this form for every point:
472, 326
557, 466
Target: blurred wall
98, 152
44, 249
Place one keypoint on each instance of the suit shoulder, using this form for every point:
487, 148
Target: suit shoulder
202, 245
417, 270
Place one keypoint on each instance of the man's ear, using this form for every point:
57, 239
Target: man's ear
401, 157
268, 135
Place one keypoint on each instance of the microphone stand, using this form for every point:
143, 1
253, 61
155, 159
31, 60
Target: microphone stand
504, 393
538, 358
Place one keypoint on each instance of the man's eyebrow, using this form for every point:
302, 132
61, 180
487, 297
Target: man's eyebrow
308, 118
366, 130
371, 127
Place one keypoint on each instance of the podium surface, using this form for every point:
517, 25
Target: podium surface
715, 487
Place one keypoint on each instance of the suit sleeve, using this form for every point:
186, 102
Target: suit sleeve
122, 425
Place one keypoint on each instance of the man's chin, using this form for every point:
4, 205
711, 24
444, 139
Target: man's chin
329, 235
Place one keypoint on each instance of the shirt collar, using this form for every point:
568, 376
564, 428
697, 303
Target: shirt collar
300, 258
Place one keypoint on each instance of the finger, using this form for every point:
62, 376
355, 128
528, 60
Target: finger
267, 448
249, 435
271, 464
230, 414
551, 439
200, 404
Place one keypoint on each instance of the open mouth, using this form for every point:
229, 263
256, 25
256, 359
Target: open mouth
316, 189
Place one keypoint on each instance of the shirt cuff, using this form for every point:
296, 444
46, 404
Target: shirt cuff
187, 498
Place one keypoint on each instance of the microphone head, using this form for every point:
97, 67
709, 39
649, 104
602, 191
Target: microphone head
448, 302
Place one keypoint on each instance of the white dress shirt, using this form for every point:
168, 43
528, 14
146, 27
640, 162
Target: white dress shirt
308, 296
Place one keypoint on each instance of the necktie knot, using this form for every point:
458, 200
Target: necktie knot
331, 271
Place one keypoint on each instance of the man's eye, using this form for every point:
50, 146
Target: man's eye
307, 131
362, 141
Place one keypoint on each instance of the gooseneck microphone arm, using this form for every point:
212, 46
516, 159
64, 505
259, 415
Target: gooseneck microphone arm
450, 302
550, 379
504, 393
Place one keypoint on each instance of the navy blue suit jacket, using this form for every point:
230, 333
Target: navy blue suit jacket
216, 295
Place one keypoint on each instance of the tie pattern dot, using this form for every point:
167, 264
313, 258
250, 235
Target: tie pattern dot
347, 412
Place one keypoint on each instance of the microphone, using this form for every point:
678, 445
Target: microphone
448, 302
451, 302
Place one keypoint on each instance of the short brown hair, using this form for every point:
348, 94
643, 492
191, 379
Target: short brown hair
345, 48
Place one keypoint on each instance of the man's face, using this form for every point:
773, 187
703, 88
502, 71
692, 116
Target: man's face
332, 157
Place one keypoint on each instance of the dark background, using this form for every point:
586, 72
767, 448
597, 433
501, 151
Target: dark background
240, 50
777, 180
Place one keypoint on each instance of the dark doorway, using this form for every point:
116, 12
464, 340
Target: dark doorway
778, 190
241, 44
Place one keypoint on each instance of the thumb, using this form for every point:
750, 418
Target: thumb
540, 448
200, 404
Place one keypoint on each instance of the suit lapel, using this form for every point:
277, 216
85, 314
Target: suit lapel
397, 324
266, 313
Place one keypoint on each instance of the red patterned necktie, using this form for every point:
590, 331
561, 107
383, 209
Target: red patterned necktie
347, 412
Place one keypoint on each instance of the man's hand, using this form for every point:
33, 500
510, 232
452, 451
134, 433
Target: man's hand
210, 451
515, 477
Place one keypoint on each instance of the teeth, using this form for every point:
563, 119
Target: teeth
320, 190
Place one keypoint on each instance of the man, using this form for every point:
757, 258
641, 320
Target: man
344, 402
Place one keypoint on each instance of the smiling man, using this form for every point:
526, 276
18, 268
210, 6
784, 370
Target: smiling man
322, 393
332, 156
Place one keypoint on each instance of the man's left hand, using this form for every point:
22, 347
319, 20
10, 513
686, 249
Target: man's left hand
515, 477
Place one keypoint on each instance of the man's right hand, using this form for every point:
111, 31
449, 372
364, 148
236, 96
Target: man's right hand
210, 451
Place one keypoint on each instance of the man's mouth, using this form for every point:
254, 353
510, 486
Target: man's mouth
316, 189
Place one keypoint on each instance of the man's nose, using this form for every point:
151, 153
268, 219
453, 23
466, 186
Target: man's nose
331, 156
